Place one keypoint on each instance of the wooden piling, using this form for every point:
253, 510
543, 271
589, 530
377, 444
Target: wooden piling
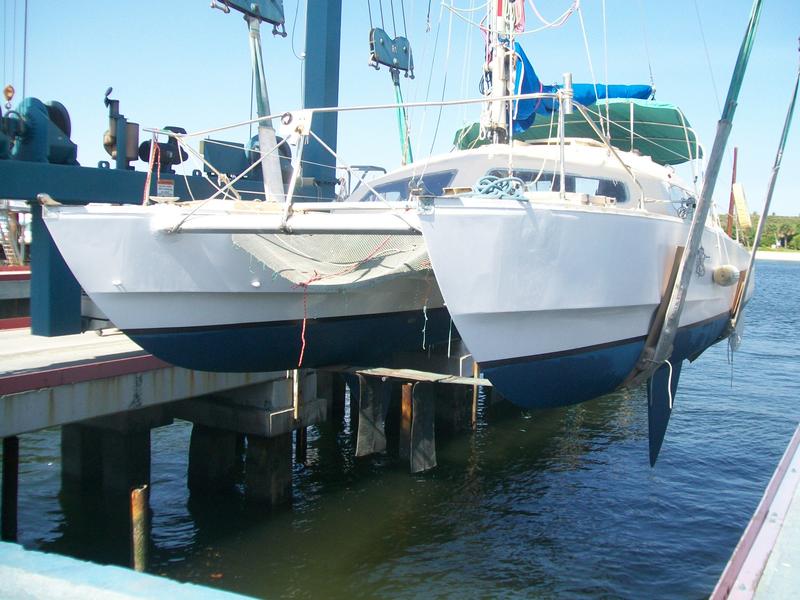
423, 438
140, 527
268, 469
373, 405
301, 445
337, 401
405, 421
8, 531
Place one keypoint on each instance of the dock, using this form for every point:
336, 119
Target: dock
106, 394
32, 574
766, 561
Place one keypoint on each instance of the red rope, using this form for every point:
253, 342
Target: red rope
155, 151
317, 277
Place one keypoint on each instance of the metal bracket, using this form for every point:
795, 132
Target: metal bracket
296, 123
394, 53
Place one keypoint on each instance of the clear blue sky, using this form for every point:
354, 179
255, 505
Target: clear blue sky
181, 63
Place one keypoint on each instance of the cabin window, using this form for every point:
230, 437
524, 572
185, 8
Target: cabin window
431, 183
547, 181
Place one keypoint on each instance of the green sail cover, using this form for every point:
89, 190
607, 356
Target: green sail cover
660, 130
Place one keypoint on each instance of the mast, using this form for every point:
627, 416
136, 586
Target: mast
267, 140
254, 12
653, 357
496, 116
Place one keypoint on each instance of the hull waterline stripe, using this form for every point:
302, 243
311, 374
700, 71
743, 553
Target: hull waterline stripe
586, 349
288, 322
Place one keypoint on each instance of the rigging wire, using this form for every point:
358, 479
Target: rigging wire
646, 44
369, 10
294, 28
380, 5
708, 56
403, 9
559, 20
431, 70
394, 23
444, 83
302, 56
589, 56
464, 70
605, 64
428, 17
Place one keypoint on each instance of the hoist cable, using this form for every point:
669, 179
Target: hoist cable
394, 23
403, 9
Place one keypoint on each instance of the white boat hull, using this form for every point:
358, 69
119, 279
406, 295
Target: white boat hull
555, 300
200, 301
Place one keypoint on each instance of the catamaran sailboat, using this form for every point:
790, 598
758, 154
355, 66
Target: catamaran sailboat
570, 256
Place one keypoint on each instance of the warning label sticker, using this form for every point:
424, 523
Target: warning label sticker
165, 188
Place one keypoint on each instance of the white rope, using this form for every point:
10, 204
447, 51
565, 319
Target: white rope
559, 22
669, 384
471, 9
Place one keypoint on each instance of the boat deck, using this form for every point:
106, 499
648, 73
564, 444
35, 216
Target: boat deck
766, 561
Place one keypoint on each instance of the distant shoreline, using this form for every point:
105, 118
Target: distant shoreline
772, 255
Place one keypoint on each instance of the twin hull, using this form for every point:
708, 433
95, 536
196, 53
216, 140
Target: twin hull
199, 301
555, 301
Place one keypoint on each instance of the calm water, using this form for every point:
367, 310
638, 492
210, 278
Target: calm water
543, 504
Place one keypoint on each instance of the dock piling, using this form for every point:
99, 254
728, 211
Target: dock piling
373, 404
337, 397
405, 421
8, 518
423, 440
301, 445
140, 527
268, 471
126, 459
214, 455
81, 463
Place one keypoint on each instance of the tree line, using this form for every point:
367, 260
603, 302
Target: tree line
780, 232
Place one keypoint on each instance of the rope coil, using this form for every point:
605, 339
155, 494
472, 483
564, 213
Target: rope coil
500, 187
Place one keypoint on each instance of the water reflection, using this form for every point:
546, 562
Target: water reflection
547, 503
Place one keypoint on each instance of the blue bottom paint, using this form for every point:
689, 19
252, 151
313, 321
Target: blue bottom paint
363, 340
576, 377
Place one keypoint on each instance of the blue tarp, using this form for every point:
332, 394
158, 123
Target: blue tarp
527, 82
